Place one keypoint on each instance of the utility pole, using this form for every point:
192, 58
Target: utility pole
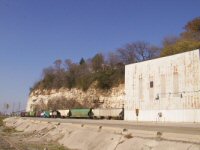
13, 107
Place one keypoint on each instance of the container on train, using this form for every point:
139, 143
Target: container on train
46, 114
114, 113
26, 114
32, 114
64, 113
38, 114
55, 114
80, 113
22, 114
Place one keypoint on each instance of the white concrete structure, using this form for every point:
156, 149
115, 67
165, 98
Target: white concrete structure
164, 89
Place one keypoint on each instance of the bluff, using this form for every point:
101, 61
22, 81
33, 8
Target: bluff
112, 98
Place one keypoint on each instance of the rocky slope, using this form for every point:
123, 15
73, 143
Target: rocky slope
113, 98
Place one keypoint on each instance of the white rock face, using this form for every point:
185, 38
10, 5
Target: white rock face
113, 98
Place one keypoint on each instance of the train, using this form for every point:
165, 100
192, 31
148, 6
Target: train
89, 113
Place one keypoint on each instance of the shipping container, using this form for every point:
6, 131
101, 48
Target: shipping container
46, 114
64, 113
32, 114
109, 113
80, 113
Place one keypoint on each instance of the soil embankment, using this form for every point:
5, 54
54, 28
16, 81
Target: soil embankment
11, 139
88, 137
4, 144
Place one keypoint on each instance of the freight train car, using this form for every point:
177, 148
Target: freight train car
106, 113
99, 113
80, 113
64, 113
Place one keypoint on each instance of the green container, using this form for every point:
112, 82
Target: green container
46, 114
80, 113
31, 114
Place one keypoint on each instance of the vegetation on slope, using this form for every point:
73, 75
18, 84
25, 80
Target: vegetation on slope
188, 40
108, 70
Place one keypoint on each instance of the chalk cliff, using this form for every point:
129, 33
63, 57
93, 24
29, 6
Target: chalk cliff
113, 98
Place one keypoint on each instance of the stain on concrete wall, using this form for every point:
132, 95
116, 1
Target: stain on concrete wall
163, 86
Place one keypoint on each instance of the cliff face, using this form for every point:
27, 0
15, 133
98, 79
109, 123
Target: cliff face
113, 98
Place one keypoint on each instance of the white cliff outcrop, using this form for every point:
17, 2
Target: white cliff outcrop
113, 98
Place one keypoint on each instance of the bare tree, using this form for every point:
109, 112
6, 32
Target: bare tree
113, 59
137, 51
154, 52
68, 64
57, 64
126, 54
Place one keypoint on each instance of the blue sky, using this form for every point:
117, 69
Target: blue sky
34, 33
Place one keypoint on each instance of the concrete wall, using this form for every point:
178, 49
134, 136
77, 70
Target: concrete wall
169, 86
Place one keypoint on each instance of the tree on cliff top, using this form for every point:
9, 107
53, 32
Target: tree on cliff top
188, 40
192, 30
137, 52
110, 72
97, 62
